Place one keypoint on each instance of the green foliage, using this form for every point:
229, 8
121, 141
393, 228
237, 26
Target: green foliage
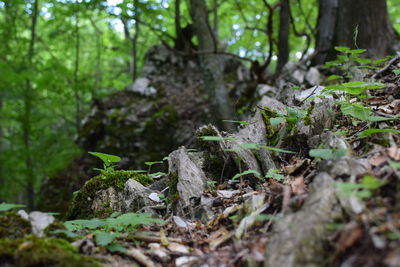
252, 172
211, 185
369, 132
275, 174
325, 153
217, 138
363, 190
107, 230
9, 206
107, 159
356, 87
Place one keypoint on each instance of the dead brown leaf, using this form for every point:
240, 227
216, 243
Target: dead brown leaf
298, 186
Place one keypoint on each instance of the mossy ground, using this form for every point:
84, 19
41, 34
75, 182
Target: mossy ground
34, 251
81, 205
13, 226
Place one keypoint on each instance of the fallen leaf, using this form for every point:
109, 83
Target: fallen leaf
298, 186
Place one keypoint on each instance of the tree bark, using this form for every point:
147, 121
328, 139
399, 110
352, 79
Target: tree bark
356, 24
211, 65
284, 30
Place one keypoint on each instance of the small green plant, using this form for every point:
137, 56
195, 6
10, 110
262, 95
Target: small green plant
151, 163
108, 160
107, 230
326, 153
253, 172
238, 122
362, 190
211, 185
275, 174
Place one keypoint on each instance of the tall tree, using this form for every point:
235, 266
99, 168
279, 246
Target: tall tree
356, 24
211, 64
27, 113
284, 30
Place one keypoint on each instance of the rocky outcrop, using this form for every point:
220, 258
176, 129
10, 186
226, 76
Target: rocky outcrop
142, 123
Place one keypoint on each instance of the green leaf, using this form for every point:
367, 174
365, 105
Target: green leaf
106, 158
151, 163
395, 165
277, 149
327, 153
274, 174
133, 220
9, 206
356, 110
217, 138
333, 77
249, 146
369, 132
371, 182
75, 225
276, 121
116, 247
397, 72
255, 173
342, 49
105, 238
67, 233
239, 122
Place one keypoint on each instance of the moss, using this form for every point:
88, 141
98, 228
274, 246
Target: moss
13, 226
307, 119
272, 133
34, 251
56, 225
81, 205
173, 190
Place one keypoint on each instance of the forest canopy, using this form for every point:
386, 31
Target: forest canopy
57, 57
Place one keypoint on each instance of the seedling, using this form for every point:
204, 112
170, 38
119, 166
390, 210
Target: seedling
108, 160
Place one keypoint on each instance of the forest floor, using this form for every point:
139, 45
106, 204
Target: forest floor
334, 202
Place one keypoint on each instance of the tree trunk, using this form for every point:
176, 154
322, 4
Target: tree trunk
211, 65
356, 24
76, 73
135, 42
284, 30
27, 120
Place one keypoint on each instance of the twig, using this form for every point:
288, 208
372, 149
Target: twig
390, 63
313, 91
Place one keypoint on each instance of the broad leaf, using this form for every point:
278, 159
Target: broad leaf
8, 206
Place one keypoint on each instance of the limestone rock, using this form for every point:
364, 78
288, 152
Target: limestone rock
39, 221
190, 178
299, 237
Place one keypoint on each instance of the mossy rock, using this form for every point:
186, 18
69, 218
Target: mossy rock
34, 251
12, 226
81, 205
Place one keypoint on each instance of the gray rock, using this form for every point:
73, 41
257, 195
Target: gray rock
39, 221
314, 77
256, 132
134, 197
191, 180
273, 104
327, 140
298, 238
345, 167
264, 89
142, 86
